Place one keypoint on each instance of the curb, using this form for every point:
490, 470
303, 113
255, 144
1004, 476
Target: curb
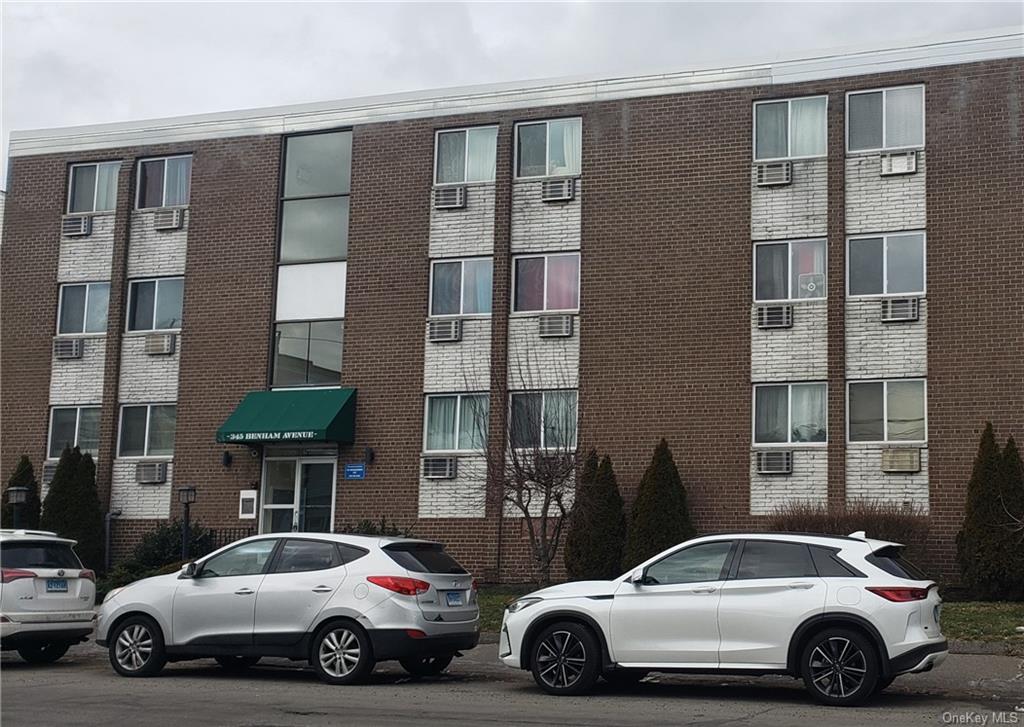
999, 648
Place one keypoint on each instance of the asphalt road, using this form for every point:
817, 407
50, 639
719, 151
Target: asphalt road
81, 689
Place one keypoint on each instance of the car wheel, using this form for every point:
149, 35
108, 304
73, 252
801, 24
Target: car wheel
342, 653
624, 677
426, 666
137, 648
236, 663
840, 667
44, 652
566, 659
883, 683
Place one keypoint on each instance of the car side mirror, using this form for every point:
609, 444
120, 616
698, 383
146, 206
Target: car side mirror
637, 577
190, 570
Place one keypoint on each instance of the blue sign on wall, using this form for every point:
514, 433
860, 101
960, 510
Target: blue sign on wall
355, 471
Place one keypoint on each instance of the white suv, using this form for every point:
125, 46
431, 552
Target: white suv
341, 602
46, 596
845, 614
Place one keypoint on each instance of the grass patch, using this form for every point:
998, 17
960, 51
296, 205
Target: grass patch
983, 621
493, 600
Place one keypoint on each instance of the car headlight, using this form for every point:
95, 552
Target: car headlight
522, 603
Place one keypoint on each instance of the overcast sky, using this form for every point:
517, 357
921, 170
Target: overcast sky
81, 63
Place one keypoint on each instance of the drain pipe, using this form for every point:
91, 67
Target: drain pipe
106, 532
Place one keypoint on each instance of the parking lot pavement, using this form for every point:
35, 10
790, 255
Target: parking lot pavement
81, 689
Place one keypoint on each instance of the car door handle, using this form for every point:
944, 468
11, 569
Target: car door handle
704, 589
322, 589
244, 592
801, 584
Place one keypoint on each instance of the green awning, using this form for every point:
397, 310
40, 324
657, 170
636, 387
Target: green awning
307, 415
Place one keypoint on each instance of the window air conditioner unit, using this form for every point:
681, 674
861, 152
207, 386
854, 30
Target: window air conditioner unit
68, 348
445, 330
903, 459
76, 225
775, 462
49, 470
170, 219
160, 344
449, 198
440, 468
558, 190
775, 316
151, 473
895, 310
559, 326
773, 174
899, 162
811, 284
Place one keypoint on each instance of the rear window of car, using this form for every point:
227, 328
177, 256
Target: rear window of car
830, 565
39, 554
423, 558
891, 560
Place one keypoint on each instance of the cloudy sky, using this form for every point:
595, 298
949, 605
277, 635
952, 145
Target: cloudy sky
85, 62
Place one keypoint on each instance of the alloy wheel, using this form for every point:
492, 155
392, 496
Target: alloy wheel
838, 667
561, 658
339, 652
134, 647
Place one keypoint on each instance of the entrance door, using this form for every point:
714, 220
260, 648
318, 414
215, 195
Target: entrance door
298, 494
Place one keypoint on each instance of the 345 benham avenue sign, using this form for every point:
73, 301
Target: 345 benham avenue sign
308, 415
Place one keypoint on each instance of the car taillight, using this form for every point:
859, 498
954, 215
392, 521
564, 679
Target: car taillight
87, 575
400, 584
476, 585
899, 595
13, 574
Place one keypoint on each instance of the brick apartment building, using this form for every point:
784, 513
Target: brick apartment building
806, 275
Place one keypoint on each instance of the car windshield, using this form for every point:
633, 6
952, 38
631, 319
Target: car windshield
423, 558
38, 554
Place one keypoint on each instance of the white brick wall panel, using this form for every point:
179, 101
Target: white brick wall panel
155, 252
541, 363
85, 259
464, 496
799, 209
135, 501
807, 484
467, 231
866, 481
79, 380
799, 353
883, 204
462, 366
543, 226
144, 378
884, 350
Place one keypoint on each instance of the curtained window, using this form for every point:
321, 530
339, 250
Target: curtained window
74, 427
789, 270
164, 182
547, 283
790, 413
155, 305
83, 308
147, 430
456, 422
887, 264
543, 420
93, 187
793, 128
466, 155
461, 287
549, 148
887, 411
892, 118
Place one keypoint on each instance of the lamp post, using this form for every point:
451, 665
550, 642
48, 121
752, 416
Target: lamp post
186, 496
16, 496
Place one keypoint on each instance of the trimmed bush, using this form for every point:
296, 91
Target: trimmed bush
24, 476
375, 527
72, 506
660, 517
1013, 517
162, 545
597, 525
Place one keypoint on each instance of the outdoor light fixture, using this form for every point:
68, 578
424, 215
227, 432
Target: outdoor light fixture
17, 496
225, 458
186, 495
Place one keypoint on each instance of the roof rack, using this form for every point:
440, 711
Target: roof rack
22, 531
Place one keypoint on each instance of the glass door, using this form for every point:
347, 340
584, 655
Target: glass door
298, 495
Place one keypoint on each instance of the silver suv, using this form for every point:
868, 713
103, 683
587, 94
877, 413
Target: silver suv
340, 602
46, 596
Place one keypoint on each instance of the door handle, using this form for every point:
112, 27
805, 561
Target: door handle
244, 592
704, 589
801, 585
322, 589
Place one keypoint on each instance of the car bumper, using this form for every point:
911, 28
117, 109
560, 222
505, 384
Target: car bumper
398, 644
922, 658
13, 633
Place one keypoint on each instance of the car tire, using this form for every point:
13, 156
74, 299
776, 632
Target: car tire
623, 678
566, 659
137, 648
840, 667
884, 683
43, 652
236, 663
426, 666
342, 653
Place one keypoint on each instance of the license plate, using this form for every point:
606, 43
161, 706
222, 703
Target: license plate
56, 585
453, 598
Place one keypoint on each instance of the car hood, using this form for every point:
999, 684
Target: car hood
577, 589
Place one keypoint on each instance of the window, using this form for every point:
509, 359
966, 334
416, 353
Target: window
314, 204
543, 420
887, 411
155, 305
829, 565
547, 283
790, 129
456, 422
886, 264
466, 155
699, 563
83, 308
789, 270
74, 426
790, 413
424, 558
298, 556
38, 554
769, 559
164, 182
93, 187
548, 148
308, 353
460, 287
247, 559
891, 560
892, 118
147, 430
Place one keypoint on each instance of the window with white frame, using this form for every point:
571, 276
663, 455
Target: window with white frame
74, 426
793, 270
887, 411
460, 287
790, 413
546, 282
890, 118
548, 148
543, 419
456, 422
83, 308
155, 305
892, 264
147, 430
93, 187
790, 129
164, 182
466, 155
